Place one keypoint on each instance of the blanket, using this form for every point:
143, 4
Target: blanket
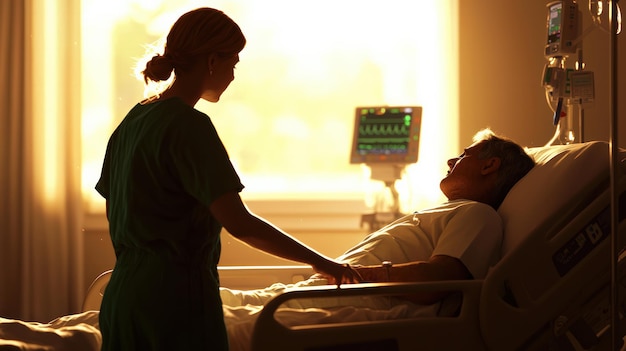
242, 308
72, 332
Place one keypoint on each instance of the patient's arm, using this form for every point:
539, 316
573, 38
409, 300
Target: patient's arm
438, 267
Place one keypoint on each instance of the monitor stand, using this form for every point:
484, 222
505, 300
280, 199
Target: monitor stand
385, 211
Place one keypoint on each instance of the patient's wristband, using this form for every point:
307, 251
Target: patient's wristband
387, 266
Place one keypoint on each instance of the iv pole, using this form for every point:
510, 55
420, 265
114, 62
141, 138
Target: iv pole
613, 159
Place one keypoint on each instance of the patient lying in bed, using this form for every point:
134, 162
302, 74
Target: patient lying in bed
466, 230
457, 240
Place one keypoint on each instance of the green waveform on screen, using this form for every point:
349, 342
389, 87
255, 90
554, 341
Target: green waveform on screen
384, 129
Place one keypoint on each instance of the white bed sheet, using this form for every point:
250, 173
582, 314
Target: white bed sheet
242, 308
72, 332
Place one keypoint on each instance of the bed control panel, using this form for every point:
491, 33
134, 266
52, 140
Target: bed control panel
582, 243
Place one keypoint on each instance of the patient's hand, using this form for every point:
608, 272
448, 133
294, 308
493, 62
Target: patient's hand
372, 274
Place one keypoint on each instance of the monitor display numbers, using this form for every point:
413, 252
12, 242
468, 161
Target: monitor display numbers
386, 134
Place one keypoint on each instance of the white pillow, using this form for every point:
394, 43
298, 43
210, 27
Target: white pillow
562, 174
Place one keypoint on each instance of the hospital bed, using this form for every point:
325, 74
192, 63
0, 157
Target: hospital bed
549, 291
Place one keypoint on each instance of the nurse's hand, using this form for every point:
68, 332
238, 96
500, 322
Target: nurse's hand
339, 273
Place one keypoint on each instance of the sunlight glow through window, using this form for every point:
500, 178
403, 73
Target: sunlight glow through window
287, 118
45, 114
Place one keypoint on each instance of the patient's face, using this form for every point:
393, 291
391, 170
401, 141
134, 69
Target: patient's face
464, 176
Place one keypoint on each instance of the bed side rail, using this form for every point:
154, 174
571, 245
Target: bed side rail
429, 333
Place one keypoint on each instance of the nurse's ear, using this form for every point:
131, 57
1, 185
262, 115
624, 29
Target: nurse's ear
211, 62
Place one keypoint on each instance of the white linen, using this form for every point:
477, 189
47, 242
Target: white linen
80, 331
242, 308
73, 332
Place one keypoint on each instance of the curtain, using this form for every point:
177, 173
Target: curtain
11, 110
40, 212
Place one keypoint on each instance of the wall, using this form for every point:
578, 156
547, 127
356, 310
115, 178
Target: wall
501, 62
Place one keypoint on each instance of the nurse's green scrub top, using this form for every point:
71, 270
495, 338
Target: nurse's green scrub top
164, 166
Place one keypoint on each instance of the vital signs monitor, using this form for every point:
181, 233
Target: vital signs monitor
386, 135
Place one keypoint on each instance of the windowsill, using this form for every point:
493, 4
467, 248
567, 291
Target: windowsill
288, 214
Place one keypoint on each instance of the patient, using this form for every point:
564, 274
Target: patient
457, 240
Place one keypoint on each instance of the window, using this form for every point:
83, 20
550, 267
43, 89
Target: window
287, 118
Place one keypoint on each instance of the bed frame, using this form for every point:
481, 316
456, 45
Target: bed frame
518, 306
551, 290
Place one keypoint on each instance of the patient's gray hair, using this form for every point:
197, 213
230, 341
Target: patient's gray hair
515, 162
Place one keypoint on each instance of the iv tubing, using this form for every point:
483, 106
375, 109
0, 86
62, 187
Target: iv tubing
580, 65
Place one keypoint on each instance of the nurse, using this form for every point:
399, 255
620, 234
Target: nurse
170, 188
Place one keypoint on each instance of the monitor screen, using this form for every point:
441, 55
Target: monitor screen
386, 134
